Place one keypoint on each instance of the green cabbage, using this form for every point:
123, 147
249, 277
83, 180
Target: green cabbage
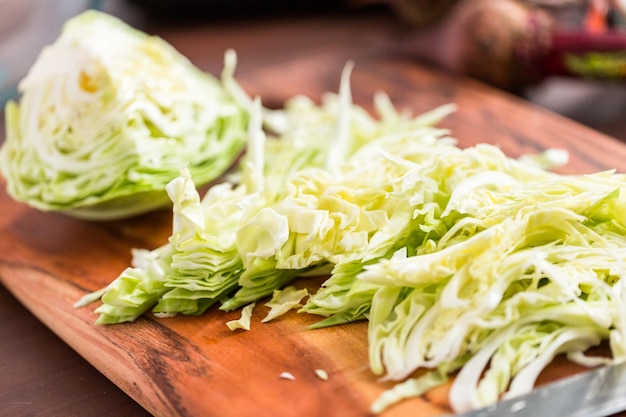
283, 213
284, 300
531, 270
243, 322
109, 115
463, 261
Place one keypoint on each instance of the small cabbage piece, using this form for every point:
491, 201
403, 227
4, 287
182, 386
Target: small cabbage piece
287, 375
321, 374
410, 388
109, 115
243, 322
284, 300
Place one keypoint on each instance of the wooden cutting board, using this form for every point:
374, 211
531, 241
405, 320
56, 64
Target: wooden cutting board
195, 366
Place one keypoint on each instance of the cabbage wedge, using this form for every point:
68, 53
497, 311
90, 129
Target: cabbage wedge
108, 116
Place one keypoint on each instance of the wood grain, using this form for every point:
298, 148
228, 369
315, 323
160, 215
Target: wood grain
194, 366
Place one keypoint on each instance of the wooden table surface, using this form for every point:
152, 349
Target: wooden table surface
42, 376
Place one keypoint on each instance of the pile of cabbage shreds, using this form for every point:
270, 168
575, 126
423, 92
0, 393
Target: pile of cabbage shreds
465, 262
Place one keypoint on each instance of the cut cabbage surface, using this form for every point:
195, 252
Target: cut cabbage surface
108, 115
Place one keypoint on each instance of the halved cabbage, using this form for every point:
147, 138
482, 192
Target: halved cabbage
108, 116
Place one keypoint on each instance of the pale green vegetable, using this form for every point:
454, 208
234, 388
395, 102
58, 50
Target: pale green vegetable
243, 322
109, 115
321, 374
283, 214
137, 288
284, 300
342, 298
532, 270
287, 375
412, 387
427, 194
462, 260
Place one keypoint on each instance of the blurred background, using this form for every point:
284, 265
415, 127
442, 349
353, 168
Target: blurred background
565, 55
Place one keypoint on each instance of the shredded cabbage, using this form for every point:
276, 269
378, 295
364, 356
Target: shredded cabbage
283, 213
461, 260
109, 115
533, 271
